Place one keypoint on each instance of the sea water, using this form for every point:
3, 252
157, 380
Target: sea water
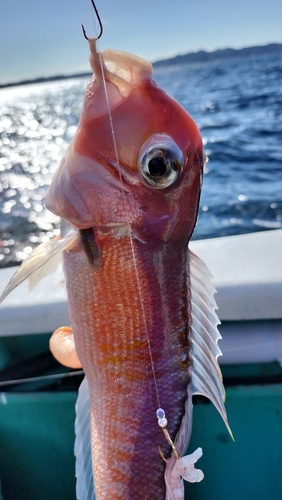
237, 104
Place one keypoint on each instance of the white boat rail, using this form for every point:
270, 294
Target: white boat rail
247, 272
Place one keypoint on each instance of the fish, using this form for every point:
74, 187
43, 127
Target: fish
142, 308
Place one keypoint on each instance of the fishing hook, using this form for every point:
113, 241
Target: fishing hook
99, 21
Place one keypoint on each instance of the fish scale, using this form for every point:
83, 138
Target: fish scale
111, 342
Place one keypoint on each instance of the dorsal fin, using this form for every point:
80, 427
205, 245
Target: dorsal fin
206, 374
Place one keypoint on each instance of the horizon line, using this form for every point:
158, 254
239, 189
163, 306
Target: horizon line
45, 79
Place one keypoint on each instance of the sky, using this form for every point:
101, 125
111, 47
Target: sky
44, 38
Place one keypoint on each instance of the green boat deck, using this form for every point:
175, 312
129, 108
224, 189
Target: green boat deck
37, 436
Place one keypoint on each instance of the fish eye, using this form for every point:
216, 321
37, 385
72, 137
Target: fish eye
160, 161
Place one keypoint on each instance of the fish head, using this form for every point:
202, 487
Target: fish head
136, 159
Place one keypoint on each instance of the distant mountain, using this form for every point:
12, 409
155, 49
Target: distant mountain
191, 57
203, 56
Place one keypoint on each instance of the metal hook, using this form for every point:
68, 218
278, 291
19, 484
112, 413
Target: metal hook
99, 21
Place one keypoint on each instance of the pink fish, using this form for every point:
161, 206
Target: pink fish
141, 304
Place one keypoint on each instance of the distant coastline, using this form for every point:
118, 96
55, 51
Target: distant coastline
203, 56
191, 57
45, 79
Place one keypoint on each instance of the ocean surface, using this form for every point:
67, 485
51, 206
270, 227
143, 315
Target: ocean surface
237, 104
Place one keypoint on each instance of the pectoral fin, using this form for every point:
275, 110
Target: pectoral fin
206, 374
41, 262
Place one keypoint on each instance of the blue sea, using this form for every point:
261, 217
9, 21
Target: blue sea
237, 104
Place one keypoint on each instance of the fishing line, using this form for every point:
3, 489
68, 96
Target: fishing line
160, 413
129, 230
138, 281
42, 377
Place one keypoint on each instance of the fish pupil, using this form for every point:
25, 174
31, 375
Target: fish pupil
160, 161
157, 166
